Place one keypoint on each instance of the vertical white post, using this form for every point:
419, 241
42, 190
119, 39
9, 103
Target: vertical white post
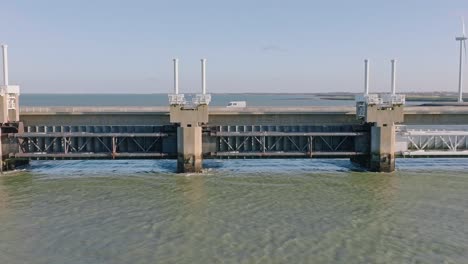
460, 74
393, 76
366, 77
176, 76
5, 64
203, 72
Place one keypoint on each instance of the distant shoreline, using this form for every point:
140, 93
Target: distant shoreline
409, 98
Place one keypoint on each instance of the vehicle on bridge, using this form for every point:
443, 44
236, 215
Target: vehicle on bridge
237, 104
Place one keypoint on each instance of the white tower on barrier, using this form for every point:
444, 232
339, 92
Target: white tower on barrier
366, 77
366, 97
393, 82
383, 100
176, 98
203, 98
9, 94
462, 40
393, 98
200, 99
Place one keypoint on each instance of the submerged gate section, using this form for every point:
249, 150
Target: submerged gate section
432, 142
153, 142
87, 142
223, 142
288, 141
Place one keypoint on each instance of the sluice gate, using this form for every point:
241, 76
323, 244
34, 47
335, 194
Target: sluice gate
141, 142
55, 142
287, 141
432, 142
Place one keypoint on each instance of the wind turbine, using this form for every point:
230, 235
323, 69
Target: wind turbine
462, 40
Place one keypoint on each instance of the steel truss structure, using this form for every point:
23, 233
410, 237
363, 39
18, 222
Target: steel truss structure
80, 145
285, 144
436, 143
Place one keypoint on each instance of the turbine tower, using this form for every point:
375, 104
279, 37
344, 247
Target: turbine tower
462, 40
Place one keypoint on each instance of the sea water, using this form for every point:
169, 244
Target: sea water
236, 211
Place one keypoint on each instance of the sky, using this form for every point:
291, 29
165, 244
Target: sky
111, 46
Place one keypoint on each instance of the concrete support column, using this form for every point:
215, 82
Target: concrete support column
380, 145
189, 136
189, 149
382, 156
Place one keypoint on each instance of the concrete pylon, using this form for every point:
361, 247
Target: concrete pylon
380, 112
381, 118
382, 133
189, 136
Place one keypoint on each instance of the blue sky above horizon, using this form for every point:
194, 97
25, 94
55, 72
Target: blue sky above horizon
250, 46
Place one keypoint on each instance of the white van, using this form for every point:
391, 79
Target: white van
234, 104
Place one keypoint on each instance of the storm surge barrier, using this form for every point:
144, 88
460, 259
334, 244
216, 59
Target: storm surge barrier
372, 134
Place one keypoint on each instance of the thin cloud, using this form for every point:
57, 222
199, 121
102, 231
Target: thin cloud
273, 48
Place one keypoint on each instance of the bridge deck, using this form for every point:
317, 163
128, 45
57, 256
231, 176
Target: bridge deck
326, 115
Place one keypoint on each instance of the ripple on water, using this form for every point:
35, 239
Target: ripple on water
276, 211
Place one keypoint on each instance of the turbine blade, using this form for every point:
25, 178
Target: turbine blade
463, 26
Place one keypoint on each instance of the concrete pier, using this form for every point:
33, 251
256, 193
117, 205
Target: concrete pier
381, 114
382, 157
9, 119
189, 135
189, 149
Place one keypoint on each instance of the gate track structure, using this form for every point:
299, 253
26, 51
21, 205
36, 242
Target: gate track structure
88, 142
424, 142
154, 142
285, 144
226, 142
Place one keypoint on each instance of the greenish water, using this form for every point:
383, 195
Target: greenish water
238, 211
